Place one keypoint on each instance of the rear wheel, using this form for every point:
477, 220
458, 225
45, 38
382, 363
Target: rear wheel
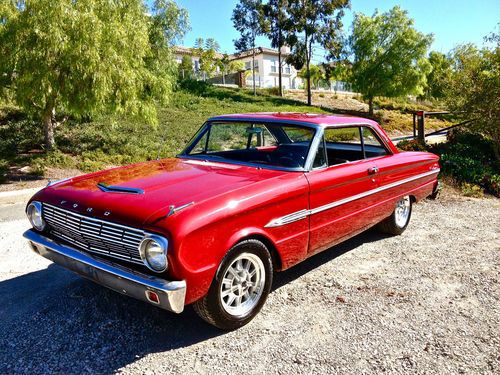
398, 221
240, 287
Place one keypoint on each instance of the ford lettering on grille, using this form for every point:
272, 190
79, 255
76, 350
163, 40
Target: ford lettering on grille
94, 235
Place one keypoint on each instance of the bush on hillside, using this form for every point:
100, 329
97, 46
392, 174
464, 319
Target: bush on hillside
468, 158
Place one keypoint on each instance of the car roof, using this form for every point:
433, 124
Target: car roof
316, 119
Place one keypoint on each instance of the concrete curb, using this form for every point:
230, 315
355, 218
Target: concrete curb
17, 196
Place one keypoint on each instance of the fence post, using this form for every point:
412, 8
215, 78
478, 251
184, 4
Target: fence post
414, 125
421, 126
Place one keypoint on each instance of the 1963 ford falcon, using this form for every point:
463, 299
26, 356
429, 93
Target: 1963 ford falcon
251, 194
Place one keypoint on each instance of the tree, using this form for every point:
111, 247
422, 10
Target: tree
227, 66
439, 76
314, 22
474, 87
186, 67
313, 76
276, 26
199, 44
207, 51
338, 71
211, 43
83, 57
389, 55
247, 20
208, 62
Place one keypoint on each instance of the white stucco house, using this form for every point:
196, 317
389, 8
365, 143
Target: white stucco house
266, 66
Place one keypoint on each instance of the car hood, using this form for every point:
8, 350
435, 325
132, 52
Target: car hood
165, 183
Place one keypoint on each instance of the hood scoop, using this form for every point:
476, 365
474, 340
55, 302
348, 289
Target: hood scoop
118, 189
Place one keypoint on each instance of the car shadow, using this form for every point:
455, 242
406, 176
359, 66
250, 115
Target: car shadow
54, 321
283, 278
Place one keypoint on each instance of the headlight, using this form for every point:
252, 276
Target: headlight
153, 250
34, 212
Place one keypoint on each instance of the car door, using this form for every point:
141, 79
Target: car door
343, 190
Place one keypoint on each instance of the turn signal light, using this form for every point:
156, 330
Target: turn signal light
153, 297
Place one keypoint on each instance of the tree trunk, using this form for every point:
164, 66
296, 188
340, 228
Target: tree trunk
279, 72
309, 93
48, 127
308, 63
224, 77
253, 70
370, 106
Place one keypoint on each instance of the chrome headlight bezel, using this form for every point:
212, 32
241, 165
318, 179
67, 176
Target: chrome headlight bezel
144, 247
33, 209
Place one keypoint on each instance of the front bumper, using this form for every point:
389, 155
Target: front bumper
116, 277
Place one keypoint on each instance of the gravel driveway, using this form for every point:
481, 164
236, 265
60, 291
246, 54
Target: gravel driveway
424, 302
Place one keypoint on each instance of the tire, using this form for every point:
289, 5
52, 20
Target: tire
235, 295
398, 221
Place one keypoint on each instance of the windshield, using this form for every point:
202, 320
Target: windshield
276, 145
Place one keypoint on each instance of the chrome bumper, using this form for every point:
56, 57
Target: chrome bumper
110, 275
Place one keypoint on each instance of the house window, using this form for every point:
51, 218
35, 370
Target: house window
196, 65
287, 69
248, 65
273, 68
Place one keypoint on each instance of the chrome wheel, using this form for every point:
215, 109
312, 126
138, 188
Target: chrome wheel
402, 212
242, 284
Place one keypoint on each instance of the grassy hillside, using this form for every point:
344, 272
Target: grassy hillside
108, 141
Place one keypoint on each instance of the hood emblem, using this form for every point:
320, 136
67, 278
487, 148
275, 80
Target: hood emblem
107, 213
90, 209
75, 205
173, 210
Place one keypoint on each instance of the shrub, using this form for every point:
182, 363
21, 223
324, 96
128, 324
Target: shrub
469, 158
411, 145
4, 168
471, 190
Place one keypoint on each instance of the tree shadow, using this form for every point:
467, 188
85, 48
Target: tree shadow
55, 321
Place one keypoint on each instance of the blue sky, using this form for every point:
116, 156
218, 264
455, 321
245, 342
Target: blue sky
451, 21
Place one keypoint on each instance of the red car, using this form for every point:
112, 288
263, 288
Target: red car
250, 195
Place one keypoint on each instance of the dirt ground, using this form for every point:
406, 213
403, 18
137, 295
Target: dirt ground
425, 302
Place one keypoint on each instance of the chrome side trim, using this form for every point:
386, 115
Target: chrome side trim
113, 276
296, 216
302, 214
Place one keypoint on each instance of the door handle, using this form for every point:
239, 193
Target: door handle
372, 170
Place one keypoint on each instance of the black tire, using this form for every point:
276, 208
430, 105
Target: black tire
393, 226
211, 308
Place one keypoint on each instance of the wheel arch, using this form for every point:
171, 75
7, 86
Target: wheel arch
262, 237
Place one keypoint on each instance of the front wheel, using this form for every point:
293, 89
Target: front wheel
240, 287
398, 221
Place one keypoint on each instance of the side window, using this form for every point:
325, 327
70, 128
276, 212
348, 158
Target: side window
343, 135
372, 144
343, 145
320, 159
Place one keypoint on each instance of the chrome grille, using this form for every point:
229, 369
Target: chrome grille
94, 235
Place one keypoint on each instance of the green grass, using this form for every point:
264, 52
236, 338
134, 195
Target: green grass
109, 140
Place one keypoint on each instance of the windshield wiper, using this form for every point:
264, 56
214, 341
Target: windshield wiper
118, 189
